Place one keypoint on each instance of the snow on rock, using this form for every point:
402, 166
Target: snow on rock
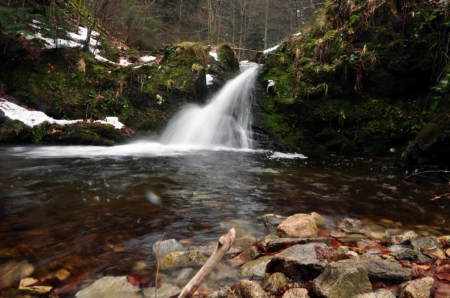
33, 118
298, 34
209, 79
214, 55
124, 62
271, 84
148, 58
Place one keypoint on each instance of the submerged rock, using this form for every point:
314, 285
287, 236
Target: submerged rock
12, 272
110, 286
167, 246
179, 259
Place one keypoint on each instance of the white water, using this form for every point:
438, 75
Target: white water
225, 121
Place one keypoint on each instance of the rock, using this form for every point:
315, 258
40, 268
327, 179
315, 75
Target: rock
345, 278
421, 243
282, 243
298, 226
404, 254
299, 262
250, 289
296, 293
223, 292
167, 246
27, 284
319, 219
418, 288
272, 219
274, 283
434, 252
384, 269
381, 293
447, 252
406, 237
110, 286
62, 274
247, 255
350, 238
179, 259
183, 276
165, 291
12, 272
255, 268
445, 240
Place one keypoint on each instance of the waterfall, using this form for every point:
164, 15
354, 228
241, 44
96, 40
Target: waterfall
225, 121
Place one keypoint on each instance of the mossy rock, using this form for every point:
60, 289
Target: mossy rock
14, 131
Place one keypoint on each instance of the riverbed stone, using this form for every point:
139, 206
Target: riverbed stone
404, 254
250, 289
110, 286
299, 262
418, 288
345, 278
378, 268
296, 293
319, 219
274, 283
421, 243
403, 238
256, 267
12, 272
380, 293
180, 259
282, 243
167, 246
298, 226
166, 290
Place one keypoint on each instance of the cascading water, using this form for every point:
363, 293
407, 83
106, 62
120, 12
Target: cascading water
225, 121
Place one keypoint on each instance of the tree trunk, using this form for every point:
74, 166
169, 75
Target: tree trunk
266, 24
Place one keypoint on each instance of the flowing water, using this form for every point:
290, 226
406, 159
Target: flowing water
101, 209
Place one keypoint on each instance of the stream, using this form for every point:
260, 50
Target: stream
101, 209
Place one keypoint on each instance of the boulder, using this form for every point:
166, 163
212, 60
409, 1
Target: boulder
299, 262
250, 289
418, 288
345, 278
298, 226
378, 268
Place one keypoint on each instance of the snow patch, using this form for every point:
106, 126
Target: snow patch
33, 118
214, 55
272, 49
271, 84
148, 58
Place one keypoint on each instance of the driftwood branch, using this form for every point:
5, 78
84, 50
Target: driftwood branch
222, 247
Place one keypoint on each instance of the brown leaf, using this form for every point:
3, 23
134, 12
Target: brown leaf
440, 289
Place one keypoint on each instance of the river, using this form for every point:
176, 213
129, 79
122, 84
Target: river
101, 209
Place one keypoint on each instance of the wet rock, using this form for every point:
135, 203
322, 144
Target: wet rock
250, 289
384, 269
418, 288
419, 244
351, 238
299, 262
179, 259
247, 255
12, 272
110, 286
406, 237
183, 276
167, 246
298, 226
207, 250
29, 284
166, 290
345, 278
274, 283
404, 254
381, 293
319, 219
282, 243
296, 293
268, 238
255, 268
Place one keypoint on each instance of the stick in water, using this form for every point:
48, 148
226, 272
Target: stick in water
222, 247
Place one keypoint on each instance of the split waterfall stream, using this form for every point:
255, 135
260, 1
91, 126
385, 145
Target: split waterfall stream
101, 209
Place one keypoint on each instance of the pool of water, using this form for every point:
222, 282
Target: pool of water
101, 209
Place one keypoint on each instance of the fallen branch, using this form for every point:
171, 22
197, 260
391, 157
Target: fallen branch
423, 172
222, 247
446, 195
